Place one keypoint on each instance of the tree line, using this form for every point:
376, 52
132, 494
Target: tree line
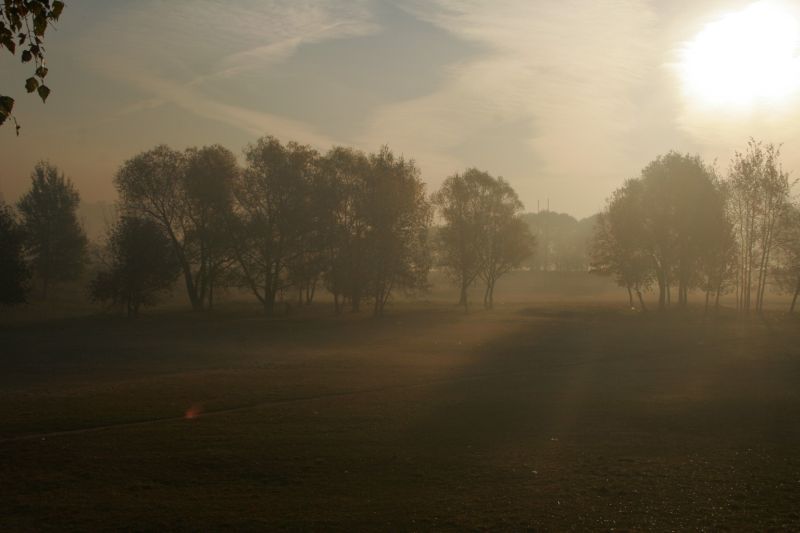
289, 222
680, 226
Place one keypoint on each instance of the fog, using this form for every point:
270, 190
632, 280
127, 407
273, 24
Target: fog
403, 266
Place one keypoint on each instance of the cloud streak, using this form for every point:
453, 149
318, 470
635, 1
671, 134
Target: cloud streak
200, 42
569, 68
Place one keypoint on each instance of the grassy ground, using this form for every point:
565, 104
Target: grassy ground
547, 416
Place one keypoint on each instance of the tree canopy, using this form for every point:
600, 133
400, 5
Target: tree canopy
139, 267
23, 24
54, 239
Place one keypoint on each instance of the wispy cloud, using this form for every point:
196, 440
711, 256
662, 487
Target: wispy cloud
571, 68
176, 48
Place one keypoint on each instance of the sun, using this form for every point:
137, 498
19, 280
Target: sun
745, 58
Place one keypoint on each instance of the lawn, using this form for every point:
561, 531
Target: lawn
532, 416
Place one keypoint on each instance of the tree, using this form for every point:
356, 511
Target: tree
507, 241
14, 273
141, 265
669, 225
462, 202
189, 195
55, 241
397, 216
208, 181
275, 220
787, 269
619, 246
759, 194
717, 261
342, 185
23, 24
681, 198
562, 242
483, 235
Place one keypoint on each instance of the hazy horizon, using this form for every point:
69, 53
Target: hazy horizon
557, 98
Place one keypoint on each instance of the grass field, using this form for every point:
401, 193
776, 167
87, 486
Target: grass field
575, 415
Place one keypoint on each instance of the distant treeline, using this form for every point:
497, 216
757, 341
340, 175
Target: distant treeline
291, 221
562, 242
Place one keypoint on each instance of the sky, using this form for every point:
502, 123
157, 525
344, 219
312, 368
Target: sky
564, 99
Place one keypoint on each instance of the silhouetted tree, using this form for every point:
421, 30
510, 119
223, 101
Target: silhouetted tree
23, 24
273, 202
140, 265
397, 216
619, 246
55, 241
188, 194
787, 241
717, 261
208, 181
14, 272
463, 203
343, 177
667, 225
680, 198
507, 242
759, 193
483, 234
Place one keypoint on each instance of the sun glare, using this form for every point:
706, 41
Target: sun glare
745, 58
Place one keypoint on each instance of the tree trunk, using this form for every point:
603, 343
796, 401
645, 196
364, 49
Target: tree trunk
662, 292
641, 300
269, 305
462, 301
311, 289
794, 297
630, 296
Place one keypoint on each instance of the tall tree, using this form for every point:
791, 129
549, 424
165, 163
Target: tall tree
23, 24
717, 258
55, 241
508, 241
680, 196
787, 241
189, 195
344, 174
759, 194
140, 265
273, 200
208, 181
14, 272
463, 202
397, 215
665, 226
619, 247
